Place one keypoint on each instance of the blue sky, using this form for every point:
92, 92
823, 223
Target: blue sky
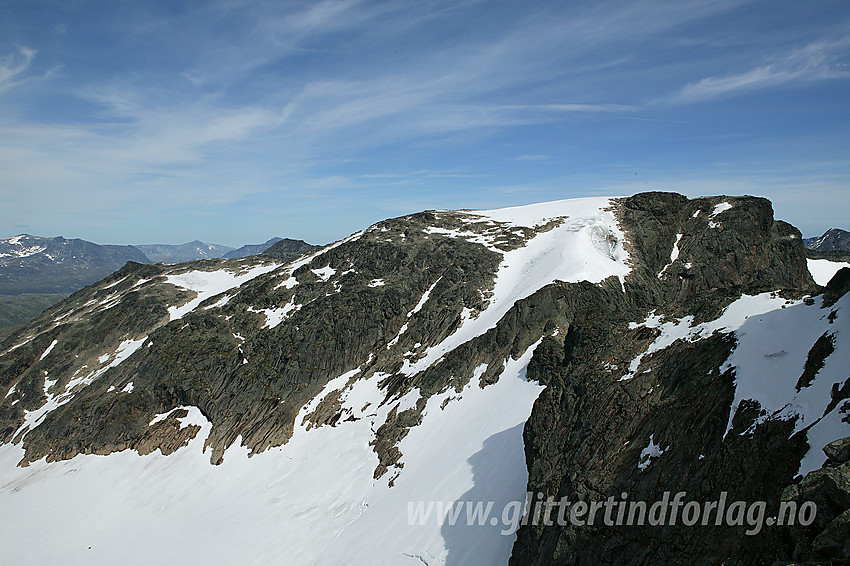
231, 122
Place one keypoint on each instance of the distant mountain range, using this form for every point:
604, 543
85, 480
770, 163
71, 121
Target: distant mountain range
37, 272
178, 253
834, 245
195, 250
31, 264
251, 249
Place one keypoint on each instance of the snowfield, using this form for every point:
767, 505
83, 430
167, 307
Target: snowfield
211, 283
769, 359
773, 338
311, 501
822, 270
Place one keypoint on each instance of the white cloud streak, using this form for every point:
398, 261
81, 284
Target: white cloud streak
13, 66
816, 61
538, 158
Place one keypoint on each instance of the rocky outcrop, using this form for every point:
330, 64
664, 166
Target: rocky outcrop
827, 539
282, 249
589, 432
837, 287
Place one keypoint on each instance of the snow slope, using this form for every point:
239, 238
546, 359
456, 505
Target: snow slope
290, 505
773, 338
822, 270
771, 352
210, 283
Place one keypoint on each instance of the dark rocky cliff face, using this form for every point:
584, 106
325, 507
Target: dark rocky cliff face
586, 432
250, 355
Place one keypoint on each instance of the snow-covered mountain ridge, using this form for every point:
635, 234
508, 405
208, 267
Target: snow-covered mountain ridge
401, 364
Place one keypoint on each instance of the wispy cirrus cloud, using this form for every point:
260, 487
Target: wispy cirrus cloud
814, 62
13, 66
569, 107
537, 158
582, 107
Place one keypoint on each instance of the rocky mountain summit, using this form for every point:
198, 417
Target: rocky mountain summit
578, 349
833, 246
834, 239
255, 249
287, 249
